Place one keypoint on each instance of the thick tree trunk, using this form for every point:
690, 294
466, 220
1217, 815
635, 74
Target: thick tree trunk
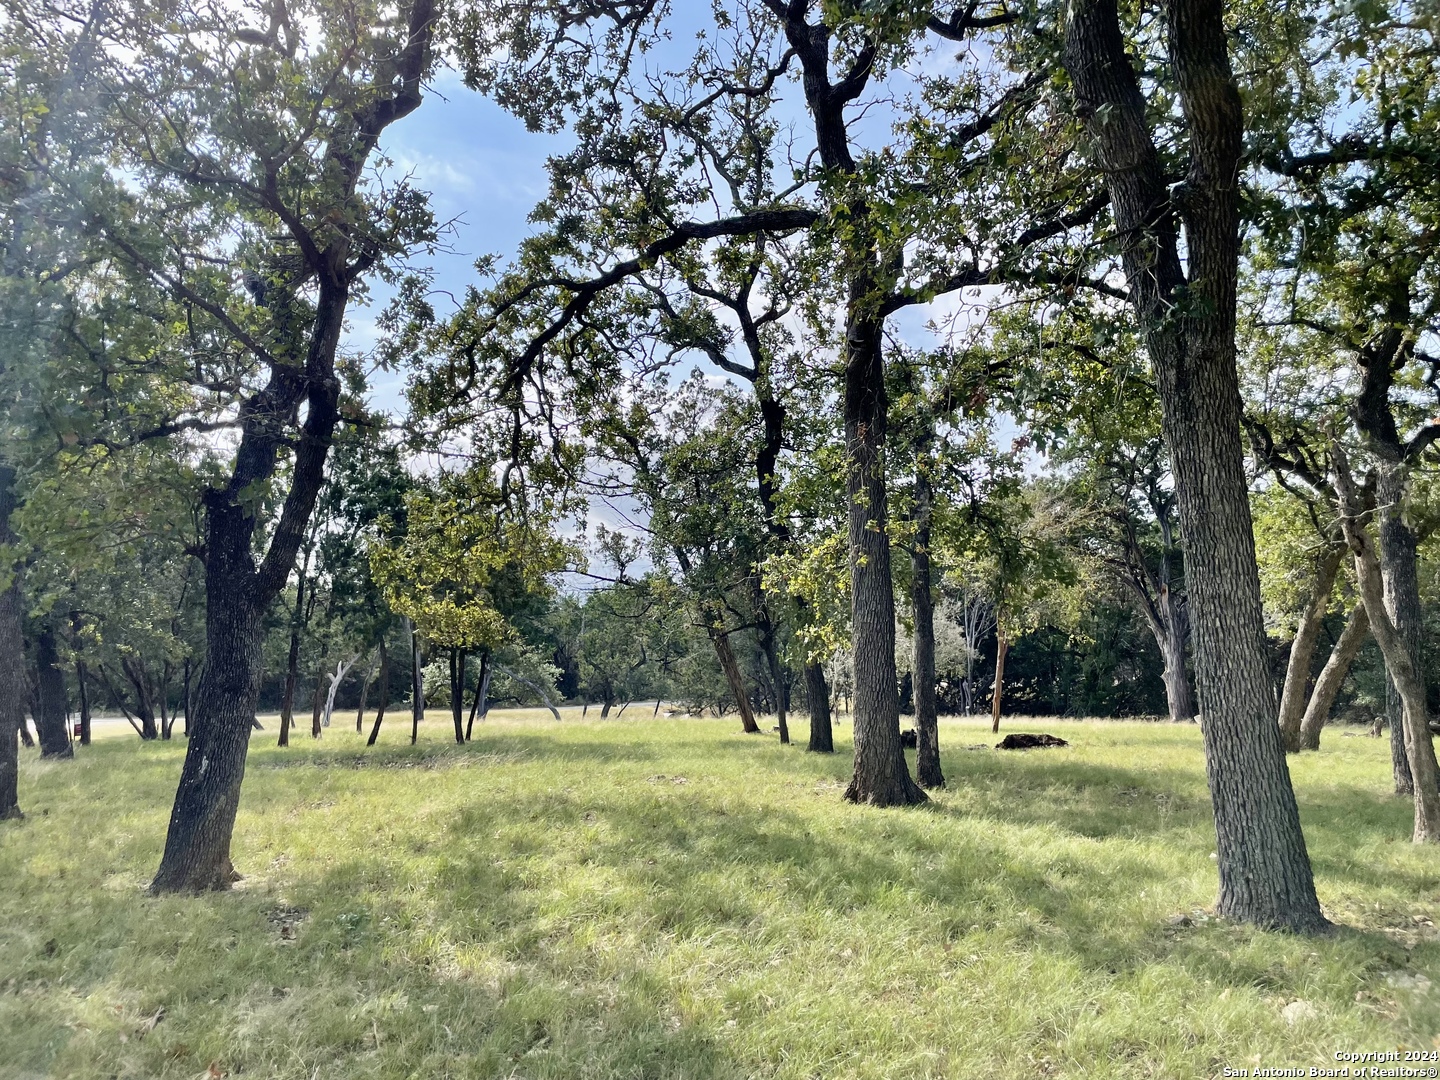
1332, 675
1172, 635
1189, 327
817, 694
1400, 574
197, 846
50, 722
1302, 649
881, 776
384, 692
1179, 695
12, 659
927, 725
733, 678
1398, 660
237, 596
997, 689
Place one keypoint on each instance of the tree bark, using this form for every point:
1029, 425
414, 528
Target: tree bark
771, 648
364, 695
12, 658
237, 595
197, 845
1396, 648
50, 722
1189, 328
457, 692
721, 640
417, 684
144, 704
1179, 695
318, 701
292, 665
482, 687
822, 737
922, 607
1002, 649
1302, 649
384, 692
1400, 576
85, 699
1332, 675
881, 776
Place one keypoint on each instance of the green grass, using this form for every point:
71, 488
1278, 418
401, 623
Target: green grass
671, 899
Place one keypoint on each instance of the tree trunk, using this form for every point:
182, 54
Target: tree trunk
190, 698
417, 683
1399, 571
144, 705
770, 646
12, 659
85, 700
1173, 634
1189, 327
292, 667
997, 690
384, 692
457, 692
166, 719
364, 694
482, 687
605, 711
922, 607
881, 776
237, 596
721, 641
1179, 695
817, 694
1398, 660
1332, 675
317, 703
197, 845
1302, 649
50, 713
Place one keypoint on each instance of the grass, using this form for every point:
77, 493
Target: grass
648, 899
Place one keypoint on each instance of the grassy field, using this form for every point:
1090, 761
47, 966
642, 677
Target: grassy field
669, 898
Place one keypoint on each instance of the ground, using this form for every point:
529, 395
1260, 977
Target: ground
668, 898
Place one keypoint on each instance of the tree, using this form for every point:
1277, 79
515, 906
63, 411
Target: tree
1346, 201
646, 148
1420, 751
462, 537
1187, 316
251, 145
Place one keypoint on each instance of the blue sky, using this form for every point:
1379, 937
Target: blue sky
484, 172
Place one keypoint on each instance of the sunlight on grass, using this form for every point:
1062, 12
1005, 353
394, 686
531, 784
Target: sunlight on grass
667, 898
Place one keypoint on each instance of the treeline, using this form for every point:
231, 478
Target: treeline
1071, 346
